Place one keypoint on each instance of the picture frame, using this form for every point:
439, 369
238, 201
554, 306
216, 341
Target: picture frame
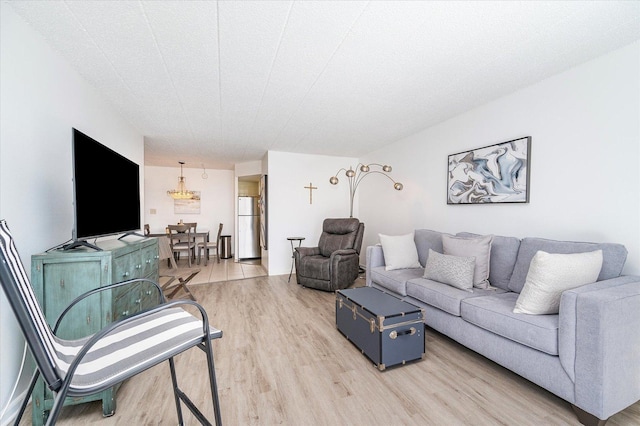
189, 206
492, 174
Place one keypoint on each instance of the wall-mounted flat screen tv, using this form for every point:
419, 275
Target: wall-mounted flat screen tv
106, 191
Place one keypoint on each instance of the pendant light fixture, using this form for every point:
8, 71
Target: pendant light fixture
182, 193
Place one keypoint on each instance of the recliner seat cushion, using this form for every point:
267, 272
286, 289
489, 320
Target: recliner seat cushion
315, 266
495, 314
442, 296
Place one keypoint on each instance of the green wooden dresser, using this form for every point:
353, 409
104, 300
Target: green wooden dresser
58, 277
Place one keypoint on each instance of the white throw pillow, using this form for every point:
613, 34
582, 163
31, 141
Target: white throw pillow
452, 270
551, 274
399, 251
478, 247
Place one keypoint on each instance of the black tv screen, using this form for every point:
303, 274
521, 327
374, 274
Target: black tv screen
106, 190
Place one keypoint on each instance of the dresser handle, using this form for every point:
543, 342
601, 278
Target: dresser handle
126, 274
62, 283
125, 313
88, 319
138, 301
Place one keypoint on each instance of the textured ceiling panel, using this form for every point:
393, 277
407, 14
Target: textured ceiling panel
250, 38
218, 83
314, 32
196, 87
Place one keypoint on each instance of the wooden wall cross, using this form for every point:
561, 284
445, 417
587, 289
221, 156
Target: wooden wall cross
310, 188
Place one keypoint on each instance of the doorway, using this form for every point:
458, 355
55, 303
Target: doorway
249, 248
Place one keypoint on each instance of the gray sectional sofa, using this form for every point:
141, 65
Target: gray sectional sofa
588, 354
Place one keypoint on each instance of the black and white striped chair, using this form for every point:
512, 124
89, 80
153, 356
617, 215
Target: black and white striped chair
117, 352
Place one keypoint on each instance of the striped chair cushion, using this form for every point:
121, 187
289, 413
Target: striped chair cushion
131, 348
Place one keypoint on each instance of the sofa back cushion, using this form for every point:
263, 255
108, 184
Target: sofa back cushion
426, 239
613, 257
504, 252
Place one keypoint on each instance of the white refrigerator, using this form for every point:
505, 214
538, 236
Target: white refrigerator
248, 228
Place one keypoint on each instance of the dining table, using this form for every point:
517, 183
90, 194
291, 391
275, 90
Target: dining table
199, 235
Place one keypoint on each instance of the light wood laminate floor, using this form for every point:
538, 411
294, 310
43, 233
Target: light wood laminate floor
282, 361
225, 270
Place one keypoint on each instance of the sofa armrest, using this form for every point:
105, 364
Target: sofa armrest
375, 258
599, 344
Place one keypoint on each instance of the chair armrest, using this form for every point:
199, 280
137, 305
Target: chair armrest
307, 251
375, 258
103, 288
343, 267
599, 332
343, 252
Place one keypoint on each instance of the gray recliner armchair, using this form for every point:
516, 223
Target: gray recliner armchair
335, 263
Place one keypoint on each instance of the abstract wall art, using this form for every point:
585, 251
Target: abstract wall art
493, 174
189, 206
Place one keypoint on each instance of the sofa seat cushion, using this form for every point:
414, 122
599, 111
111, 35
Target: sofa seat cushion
495, 314
395, 280
443, 296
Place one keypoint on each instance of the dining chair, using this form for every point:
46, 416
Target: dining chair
176, 279
181, 239
210, 245
121, 350
192, 225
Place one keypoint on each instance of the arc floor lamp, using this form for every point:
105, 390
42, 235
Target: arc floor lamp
355, 177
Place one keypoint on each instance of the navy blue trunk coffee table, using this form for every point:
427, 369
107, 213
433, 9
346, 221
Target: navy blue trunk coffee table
386, 329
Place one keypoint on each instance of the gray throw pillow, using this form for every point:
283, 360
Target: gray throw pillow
478, 248
452, 270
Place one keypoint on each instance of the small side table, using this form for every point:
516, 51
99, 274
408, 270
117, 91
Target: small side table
291, 240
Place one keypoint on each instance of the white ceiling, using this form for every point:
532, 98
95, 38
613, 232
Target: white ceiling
222, 82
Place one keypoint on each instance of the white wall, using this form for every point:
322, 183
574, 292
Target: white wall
585, 174
216, 198
289, 210
41, 99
